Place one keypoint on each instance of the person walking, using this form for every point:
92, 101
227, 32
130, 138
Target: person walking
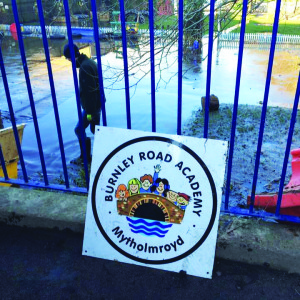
89, 98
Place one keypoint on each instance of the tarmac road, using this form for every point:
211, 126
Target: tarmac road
47, 264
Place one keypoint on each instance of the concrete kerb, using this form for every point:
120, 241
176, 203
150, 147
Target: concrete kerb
246, 240
255, 241
40, 208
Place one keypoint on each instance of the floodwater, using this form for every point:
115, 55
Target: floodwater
255, 64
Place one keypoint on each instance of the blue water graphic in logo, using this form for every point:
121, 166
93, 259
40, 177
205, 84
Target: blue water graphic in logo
148, 228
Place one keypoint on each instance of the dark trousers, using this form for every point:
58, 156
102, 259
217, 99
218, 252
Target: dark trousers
85, 123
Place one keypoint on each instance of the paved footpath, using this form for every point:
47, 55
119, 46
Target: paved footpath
47, 264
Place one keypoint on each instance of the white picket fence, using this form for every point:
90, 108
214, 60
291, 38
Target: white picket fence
52, 30
260, 46
258, 38
250, 38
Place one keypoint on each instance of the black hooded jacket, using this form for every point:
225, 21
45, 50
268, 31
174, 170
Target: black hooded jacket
88, 85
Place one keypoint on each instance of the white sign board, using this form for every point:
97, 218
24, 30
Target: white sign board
154, 200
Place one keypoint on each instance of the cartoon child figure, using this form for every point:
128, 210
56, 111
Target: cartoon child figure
147, 180
172, 196
134, 186
183, 200
160, 187
122, 193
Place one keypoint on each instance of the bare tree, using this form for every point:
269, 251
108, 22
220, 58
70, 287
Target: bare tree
195, 24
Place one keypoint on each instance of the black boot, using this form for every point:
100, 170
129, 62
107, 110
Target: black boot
88, 147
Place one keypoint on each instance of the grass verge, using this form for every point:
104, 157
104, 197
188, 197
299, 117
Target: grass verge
264, 24
245, 147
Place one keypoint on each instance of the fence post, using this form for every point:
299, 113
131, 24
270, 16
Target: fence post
12, 116
265, 102
236, 99
54, 101
209, 66
180, 53
125, 60
29, 89
82, 136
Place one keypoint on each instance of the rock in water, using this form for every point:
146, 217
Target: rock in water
213, 103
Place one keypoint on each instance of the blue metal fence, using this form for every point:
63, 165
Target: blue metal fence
26, 182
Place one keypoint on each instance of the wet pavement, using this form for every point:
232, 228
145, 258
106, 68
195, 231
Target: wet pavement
47, 264
286, 67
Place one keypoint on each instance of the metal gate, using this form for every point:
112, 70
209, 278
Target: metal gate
227, 208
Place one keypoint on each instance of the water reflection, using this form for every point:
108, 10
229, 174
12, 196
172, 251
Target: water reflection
286, 70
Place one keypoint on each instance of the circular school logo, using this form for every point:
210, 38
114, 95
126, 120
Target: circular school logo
154, 200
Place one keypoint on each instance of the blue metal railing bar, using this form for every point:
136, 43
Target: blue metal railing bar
99, 64
29, 89
180, 54
125, 61
52, 87
261, 214
2, 161
236, 100
152, 64
288, 146
72, 53
36, 184
209, 64
12, 116
265, 103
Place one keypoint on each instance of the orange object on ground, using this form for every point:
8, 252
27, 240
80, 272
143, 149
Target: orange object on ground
290, 202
